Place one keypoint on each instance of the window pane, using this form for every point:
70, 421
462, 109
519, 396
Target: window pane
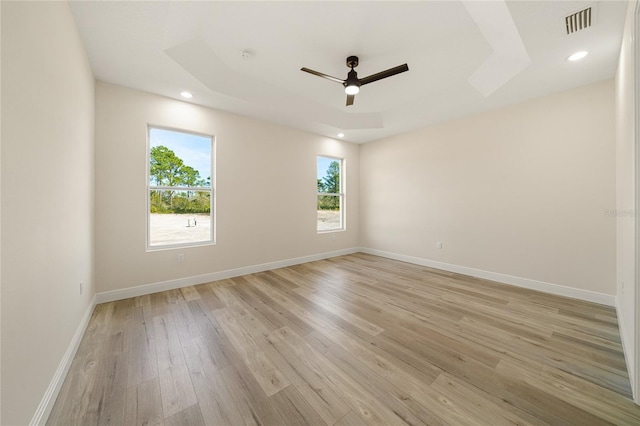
179, 217
184, 161
179, 159
330, 208
328, 175
329, 213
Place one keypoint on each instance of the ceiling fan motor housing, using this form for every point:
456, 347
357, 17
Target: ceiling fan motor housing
352, 79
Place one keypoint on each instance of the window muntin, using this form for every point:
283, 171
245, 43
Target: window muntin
180, 191
330, 195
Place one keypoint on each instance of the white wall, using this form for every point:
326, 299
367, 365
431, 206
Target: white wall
626, 191
47, 197
521, 191
266, 183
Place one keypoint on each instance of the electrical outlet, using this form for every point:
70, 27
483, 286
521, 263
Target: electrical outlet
438, 245
81, 284
181, 257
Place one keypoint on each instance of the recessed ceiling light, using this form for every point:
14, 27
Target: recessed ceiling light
341, 135
578, 55
186, 95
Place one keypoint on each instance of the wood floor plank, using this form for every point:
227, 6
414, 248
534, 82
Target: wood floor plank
244, 312
190, 293
307, 377
535, 402
577, 392
370, 409
106, 401
117, 341
476, 407
177, 389
175, 382
294, 408
184, 322
308, 316
407, 409
604, 374
246, 392
218, 344
146, 407
208, 296
336, 309
131, 406
265, 372
584, 339
372, 297
191, 416
270, 311
168, 347
350, 340
350, 419
73, 401
159, 303
213, 396
143, 363
382, 364
140, 301
316, 317
273, 280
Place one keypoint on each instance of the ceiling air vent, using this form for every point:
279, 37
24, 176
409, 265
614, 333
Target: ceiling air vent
578, 21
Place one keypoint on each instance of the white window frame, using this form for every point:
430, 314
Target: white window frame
211, 189
341, 195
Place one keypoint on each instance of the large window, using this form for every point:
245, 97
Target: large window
330, 194
180, 189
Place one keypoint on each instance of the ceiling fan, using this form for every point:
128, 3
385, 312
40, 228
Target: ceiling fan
352, 83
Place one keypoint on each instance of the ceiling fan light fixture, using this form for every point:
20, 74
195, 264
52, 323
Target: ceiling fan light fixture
352, 89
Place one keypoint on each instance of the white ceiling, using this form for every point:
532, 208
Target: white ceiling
463, 57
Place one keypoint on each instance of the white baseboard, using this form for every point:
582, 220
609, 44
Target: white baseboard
51, 394
557, 289
627, 348
125, 293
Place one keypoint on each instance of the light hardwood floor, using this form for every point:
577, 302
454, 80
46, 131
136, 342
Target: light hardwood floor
352, 340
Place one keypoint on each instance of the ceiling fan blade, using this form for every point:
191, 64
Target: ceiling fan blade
384, 74
319, 74
350, 99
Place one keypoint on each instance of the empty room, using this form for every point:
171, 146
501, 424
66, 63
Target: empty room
319, 213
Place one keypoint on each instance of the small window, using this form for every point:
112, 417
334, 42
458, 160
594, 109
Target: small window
180, 189
330, 194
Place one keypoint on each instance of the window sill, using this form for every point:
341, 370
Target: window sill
330, 231
180, 246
